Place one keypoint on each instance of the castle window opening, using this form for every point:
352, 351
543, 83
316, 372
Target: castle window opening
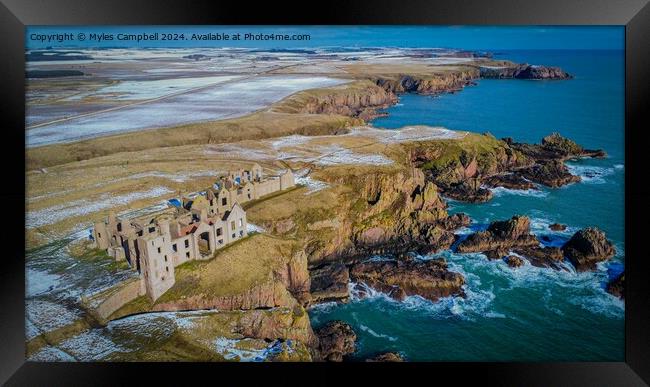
187, 243
175, 247
224, 201
219, 231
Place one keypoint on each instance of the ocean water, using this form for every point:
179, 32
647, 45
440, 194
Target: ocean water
528, 314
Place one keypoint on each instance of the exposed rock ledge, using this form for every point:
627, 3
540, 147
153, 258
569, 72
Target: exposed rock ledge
336, 340
586, 248
390, 357
407, 276
398, 278
617, 286
467, 169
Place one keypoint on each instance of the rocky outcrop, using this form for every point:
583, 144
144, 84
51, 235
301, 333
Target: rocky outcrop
434, 84
616, 286
508, 180
557, 227
407, 276
336, 340
393, 213
330, 282
587, 247
524, 71
500, 236
550, 257
390, 357
356, 104
556, 147
514, 261
281, 323
467, 169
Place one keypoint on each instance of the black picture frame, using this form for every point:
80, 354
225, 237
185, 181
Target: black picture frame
634, 14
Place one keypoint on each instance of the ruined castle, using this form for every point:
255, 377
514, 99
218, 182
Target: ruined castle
194, 227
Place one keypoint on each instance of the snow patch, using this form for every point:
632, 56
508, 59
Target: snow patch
51, 215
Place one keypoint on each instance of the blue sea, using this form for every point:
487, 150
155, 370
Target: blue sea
527, 314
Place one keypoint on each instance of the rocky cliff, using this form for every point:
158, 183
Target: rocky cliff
524, 71
449, 81
362, 103
466, 169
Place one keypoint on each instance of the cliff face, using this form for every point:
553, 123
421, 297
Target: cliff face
434, 84
270, 294
355, 103
524, 71
363, 99
388, 213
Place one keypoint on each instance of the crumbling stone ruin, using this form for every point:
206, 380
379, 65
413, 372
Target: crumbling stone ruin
194, 228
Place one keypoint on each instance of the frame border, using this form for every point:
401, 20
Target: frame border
634, 14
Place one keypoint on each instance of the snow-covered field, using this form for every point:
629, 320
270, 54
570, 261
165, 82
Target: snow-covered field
148, 89
220, 101
59, 212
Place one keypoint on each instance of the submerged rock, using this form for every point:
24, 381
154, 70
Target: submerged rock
514, 261
500, 236
616, 286
557, 227
393, 357
407, 276
588, 247
336, 340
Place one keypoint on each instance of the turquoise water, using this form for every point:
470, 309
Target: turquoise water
528, 314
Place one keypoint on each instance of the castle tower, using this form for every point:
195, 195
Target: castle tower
287, 180
156, 265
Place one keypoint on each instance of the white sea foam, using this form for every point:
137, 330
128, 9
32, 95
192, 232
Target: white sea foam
375, 334
231, 350
591, 174
502, 191
584, 289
